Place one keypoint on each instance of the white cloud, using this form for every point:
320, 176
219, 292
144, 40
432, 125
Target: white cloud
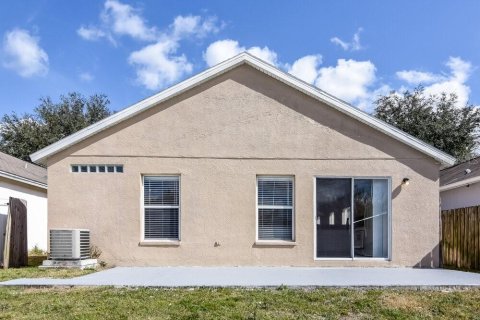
348, 80
23, 54
86, 76
306, 68
91, 33
345, 45
417, 77
367, 103
353, 81
222, 50
451, 86
120, 19
460, 69
264, 53
453, 82
184, 26
123, 19
157, 65
354, 45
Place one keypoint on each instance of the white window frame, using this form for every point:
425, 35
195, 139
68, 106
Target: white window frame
389, 226
275, 242
165, 241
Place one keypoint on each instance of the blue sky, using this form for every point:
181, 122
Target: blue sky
130, 50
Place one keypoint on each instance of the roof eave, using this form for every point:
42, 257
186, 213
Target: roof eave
42, 155
460, 184
342, 106
21, 179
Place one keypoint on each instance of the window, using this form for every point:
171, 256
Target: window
94, 168
352, 217
161, 207
275, 208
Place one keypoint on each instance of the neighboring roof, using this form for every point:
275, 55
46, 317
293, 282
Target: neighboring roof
22, 171
460, 175
243, 58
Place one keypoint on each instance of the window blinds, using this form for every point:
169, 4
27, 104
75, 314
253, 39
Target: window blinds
161, 203
275, 208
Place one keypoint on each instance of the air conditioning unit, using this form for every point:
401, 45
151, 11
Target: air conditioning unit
69, 244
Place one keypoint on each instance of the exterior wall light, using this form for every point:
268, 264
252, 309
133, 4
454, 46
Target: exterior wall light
406, 181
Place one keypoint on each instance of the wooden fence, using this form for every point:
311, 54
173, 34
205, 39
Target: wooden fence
461, 238
16, 246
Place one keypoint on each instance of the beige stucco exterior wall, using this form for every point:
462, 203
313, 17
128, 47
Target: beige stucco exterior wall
218, 137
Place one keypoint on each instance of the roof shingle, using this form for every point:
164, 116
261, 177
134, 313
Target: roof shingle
22, 168
459, 172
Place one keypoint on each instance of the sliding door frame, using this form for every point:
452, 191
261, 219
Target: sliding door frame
352, 213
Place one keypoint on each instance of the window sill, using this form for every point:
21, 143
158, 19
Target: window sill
275, 243
159, 243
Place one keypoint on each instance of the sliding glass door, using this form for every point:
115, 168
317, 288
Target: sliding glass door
352, 217
370, 223
334, 198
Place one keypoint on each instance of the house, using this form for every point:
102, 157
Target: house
246, 165
460, 185
27, 181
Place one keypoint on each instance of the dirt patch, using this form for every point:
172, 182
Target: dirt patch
401, 301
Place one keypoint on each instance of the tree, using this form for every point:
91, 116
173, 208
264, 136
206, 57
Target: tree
51, 121
436, 119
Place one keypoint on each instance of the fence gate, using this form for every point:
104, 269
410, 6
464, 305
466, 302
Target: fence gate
461, 238
16, 246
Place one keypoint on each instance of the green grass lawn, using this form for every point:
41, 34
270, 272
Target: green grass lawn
204, 303
35, 272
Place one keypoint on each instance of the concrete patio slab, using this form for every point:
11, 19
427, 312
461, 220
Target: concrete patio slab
261, 277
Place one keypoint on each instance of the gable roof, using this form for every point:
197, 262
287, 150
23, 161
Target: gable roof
22, 171
460, 175
244, 58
